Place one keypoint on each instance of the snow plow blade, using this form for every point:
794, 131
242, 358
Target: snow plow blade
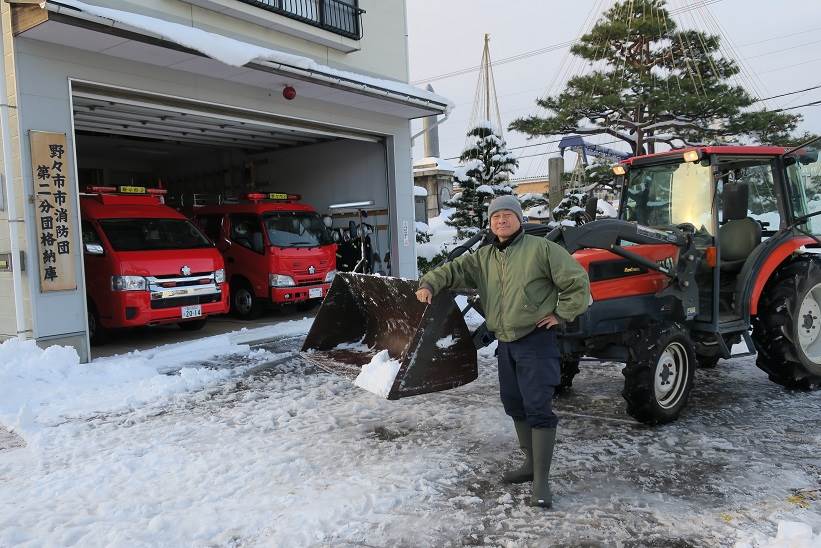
363, 315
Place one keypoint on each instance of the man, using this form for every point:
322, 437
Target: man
527, 286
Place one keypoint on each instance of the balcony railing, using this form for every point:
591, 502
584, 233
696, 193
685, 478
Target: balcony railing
342, 17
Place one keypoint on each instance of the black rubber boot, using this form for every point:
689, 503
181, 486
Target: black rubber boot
544, 439
525, 471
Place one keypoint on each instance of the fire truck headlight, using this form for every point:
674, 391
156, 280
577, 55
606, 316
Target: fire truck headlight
329, 277
219, 276
279, 280
128, 283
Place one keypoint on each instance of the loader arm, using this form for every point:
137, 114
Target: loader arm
610, 234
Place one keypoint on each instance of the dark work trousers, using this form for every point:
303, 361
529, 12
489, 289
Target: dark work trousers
529, 370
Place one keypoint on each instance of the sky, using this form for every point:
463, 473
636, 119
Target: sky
777, 44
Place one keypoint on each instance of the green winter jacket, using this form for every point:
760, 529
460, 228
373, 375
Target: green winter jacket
530, 279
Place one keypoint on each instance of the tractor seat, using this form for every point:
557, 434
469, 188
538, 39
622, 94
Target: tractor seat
739, 234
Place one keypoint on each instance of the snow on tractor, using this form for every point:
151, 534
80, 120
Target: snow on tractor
713, 246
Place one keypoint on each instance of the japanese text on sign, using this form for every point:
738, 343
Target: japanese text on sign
53, 211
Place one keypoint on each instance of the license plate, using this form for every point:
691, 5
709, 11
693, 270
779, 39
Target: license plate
314, 292
194, 311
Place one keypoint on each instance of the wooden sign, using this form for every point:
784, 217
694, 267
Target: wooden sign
54, 211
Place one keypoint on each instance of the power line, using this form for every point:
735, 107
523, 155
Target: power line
812, 104
788, 93
783, 50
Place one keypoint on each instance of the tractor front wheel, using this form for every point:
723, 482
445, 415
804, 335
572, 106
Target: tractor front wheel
787, 330
659, 375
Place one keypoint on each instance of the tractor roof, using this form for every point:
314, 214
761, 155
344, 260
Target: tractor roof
708, 150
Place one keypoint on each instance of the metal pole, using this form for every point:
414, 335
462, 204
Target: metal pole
555, 167
486, 59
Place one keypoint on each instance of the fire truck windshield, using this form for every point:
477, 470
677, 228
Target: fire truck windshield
153, 234
296, 229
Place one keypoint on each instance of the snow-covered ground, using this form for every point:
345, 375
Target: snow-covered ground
249, 454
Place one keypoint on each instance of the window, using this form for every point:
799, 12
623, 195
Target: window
296, 229
421, 206
246, 231
669, 195
804, 178
338, 16
152, 234
91, 238
211, 225
762, 204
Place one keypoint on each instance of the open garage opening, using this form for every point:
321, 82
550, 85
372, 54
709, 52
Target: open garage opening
278, 207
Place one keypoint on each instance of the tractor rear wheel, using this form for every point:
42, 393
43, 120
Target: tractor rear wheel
659, 375
570, 367
787, 330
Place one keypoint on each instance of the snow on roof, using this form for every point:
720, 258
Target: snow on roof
419, 191
238, 53
432, 162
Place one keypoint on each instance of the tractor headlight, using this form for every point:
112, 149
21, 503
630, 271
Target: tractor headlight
279, 280
128, 283
219, 276
329, 277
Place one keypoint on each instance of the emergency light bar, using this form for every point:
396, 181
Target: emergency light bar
126, 190
275, 196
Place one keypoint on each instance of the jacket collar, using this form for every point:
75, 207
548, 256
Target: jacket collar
501, 246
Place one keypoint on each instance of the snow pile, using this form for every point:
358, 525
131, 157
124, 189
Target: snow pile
442, 236
606, 209
41, 388
419, 191
446, 342
238, 53
378, 375
791, 534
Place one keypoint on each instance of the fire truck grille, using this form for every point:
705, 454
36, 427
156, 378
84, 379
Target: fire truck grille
312, 281
193, 279
184, 301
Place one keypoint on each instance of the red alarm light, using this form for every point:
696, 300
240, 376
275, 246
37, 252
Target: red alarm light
289, 92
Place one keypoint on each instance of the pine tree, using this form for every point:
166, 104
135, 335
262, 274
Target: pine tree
570, 211
484, 173
653, 83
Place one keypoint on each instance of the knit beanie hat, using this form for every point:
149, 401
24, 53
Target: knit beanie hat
508, 202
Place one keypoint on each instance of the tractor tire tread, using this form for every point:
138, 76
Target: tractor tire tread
777, 353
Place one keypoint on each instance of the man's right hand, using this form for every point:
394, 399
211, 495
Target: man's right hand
424, 295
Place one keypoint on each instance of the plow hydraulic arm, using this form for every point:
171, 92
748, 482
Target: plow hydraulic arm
609, 234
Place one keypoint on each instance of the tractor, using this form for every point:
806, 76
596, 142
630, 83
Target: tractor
715, 254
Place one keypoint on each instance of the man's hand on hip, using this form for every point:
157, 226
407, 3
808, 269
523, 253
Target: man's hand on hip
547, 322
424, 295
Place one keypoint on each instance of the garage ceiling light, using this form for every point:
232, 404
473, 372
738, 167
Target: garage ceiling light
351, 205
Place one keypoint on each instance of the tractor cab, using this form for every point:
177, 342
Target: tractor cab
741, 204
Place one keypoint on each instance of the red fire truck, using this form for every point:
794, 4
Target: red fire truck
277, 251
146, 264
